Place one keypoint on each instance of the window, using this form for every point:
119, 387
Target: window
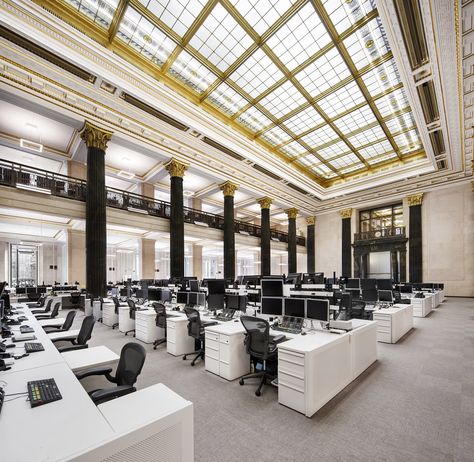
24, 265
381, 218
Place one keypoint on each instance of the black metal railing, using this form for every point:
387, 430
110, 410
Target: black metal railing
35, 179
382, 233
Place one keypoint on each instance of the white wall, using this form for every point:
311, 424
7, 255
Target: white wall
52, 255
328, 237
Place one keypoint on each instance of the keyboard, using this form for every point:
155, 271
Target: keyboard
43, 392
222, 318
26, 329
290, 330
31, 347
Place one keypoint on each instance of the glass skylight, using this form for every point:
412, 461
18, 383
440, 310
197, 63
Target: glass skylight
355, 120
345, 13
100, 11
393, 102
320, 136
293, 149
333, 150
283, 100
303, 121
344, 161
367, 136
253, 119
376, 149
397, 124
342, 100
227, 99
381, 78
276, 136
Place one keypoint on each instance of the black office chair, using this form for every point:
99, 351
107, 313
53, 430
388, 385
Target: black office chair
196, 330
261, 346
66, 325
132, 311
116, 310
39, 303
76, 300
132, 358
46, 309
160, 321
33, 296
345, 307
54, 313
80, 342
358, 309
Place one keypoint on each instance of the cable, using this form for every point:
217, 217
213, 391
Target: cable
13, 394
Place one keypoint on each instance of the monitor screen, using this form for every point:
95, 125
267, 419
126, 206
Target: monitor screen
273, 306
31, 290
384, 284
353, 284
216, 286
20, 290
114, 291
165, 295
41, 290
406, 289
385, 296
272, 287
2, 309
193, 298
182, 297
293, 278
215, 301
369, 295
294, 307
236, 302
368, 284
194, 286
251, 280
317, 309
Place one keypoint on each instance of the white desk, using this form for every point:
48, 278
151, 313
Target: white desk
72, 333
146, 329
99, 356
178, 341
52, 322
393, 323
109, 316
422, 306
125, 323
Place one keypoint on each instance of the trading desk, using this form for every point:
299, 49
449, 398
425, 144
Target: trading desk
393, 323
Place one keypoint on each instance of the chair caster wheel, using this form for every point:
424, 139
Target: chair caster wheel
192, 364
184, 358
258, 393
241, 381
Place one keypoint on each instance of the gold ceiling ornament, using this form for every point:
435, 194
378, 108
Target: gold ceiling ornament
94, 136
346, 213
265, 202
310, 221
292, 213
415, 199
369, 43
176, 168
228, 188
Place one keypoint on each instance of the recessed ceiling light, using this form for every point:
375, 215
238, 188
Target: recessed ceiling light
188, 193
125, 174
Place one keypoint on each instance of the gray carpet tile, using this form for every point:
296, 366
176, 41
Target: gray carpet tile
416, 403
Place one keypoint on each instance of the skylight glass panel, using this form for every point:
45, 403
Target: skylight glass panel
276, 136
100, 11
344, 161
324, 73
306, 160
320, 136
408, 141
220, 39
397, 124
253, 119
382, 78
367, 43
145, 37
367, 136
333, 150
261, 14
323, 170
304, 121
227, 99
355, 120
293, 149
393, 102
342, 100
177, 14
190, 71
256, 74
344, 14
376, 149
352, 168
299, 38
283, 100
378, 159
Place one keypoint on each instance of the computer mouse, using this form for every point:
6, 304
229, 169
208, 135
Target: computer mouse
236, 320
303, 333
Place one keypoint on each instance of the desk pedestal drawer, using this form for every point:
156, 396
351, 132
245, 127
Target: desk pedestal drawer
212, 365
291, 397
385, 337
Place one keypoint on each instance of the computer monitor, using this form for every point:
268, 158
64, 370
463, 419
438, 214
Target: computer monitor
20, 290
41, 290
31, 290
182, 297
216, 286
294, 307
2, 287
293, 278
193, 298
317, 309
194, 285
385, 296
406, 289
384, 284
369, 295
251, 280
353, 283
272, 287
215, 301
236, 302
114, 291
272, 306
2, 309
368, 284
165, 295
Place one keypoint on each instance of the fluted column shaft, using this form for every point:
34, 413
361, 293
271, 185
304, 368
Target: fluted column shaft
229, 189
311, 245
292, 259
265, 250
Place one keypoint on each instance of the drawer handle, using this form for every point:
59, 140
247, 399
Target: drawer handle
280, 383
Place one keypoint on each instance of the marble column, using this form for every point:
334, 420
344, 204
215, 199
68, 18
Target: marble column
415, 243
292, 259
197, 261
176, 170
265, 253
310, 244
228, 188
147, 258
76, 256
346, 250
96, 140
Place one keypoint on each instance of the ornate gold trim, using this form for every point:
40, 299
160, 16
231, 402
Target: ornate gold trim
265, 202
228, 188
310, 221
415, 199
94, 136
292, 213
346, 213
176, 168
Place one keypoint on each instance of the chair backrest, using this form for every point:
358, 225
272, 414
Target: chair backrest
116, 302
132, 358
86, 330
69, 320
55, 310
257, 338
194, 322
160, 310
75, 297
48, 305
42, 300
133, 308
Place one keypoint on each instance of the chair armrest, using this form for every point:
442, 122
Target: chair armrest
278, 338
71, 348
96, 371
63, 339
51, 329
42, 316
101, 396
209, 323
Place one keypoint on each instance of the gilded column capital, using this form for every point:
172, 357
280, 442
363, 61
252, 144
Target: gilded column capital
94, 136
415, 199
265, 202
292, 213
228, 188
346, 213
310, 221
176, 168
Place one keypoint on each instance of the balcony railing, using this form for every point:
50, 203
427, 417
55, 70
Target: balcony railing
42, 181
382, 233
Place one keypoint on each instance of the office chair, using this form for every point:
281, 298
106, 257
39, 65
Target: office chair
160, 320
358, 309
46, 309
132, 311
132, 358
38, 303
116, 310
196, 330
345, 307
75, 300
66, 325
260, 346
52, 315
80, 342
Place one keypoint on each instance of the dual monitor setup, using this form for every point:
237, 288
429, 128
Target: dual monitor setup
309, 308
